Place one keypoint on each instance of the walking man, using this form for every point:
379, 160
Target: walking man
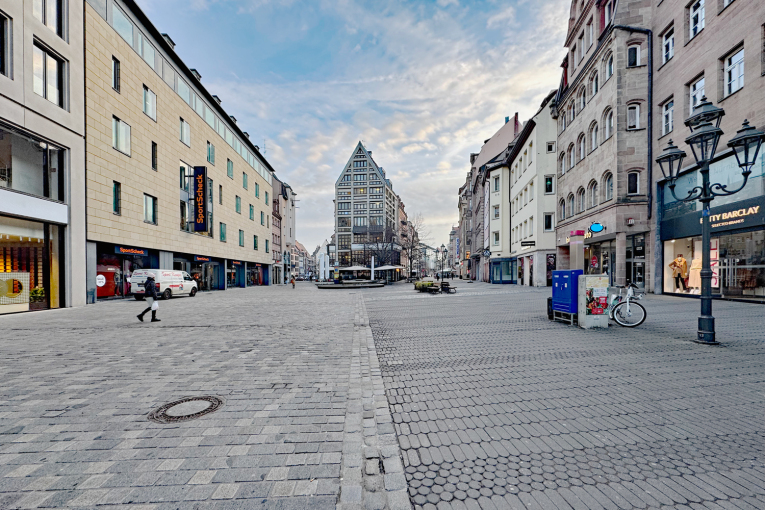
152, 298
292, 281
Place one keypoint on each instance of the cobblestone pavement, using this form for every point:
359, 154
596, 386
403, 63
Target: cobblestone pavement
305, 422
497, 407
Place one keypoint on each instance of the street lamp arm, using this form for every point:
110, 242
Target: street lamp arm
723, 188
694, 194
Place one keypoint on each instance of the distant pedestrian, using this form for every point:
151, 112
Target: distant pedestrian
292, 281
438, 276
152, 299
452, 275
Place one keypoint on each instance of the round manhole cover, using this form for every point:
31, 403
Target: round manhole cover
185, 409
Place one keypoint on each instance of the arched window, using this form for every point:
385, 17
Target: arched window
562, 209
593, 136
581, 142
608, 121
582, 99
571, 111
608, 186
594, 83
593, 192
571, 205
562, 163
580, 199
563, 122
571, 156
609, 66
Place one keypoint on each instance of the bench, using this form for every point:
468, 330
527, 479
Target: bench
445, 287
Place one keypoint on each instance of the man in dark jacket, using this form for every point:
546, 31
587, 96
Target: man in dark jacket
151, 297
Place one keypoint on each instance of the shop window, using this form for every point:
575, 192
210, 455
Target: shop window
30, 257
116, 198
223, 232
241, 238
115, 74
31, 166
154, 159
51, 14
48, 75
633, 183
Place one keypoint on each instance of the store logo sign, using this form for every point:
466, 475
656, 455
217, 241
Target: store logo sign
731, 217
200, 199
122, 250
201, 259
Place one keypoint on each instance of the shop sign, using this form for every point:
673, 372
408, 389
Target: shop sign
748, 213
595, 228
100, 280
201, 259
123, 250
528, 243
257, 265
236, 263
735, 217
200, 199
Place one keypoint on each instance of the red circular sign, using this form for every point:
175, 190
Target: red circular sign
594, 261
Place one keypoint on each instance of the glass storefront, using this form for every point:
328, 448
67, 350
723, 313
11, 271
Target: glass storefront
115, 266
600, 258
502, 270
207, 272
30, 260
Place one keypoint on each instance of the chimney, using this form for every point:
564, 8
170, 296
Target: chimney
217, 99
169, 41
232, 118
196, 74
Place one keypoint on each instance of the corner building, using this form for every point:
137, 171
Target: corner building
604, 165
149, 123
42, 157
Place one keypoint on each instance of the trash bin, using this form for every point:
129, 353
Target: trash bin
549, 308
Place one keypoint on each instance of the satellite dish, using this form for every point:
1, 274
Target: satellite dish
597, 228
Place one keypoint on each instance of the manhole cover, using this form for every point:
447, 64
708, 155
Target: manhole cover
185, 409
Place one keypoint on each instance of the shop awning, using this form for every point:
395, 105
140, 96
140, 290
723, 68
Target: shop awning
386, 268
354, 268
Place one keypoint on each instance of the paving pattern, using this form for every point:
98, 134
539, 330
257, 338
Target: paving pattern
497, 407
304, 419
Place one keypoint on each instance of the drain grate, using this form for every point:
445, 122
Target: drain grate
185, 409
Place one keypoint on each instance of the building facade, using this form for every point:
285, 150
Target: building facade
604, 121
172, 181
366, 213
531, 164
42, 157
712, 49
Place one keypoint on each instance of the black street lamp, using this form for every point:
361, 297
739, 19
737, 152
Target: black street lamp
705, 135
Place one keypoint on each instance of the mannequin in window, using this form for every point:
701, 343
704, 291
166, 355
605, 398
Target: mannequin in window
694, 279
679, 268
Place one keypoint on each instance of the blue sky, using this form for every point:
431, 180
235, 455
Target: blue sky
422, 83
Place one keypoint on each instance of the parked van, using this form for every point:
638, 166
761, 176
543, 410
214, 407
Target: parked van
169, 283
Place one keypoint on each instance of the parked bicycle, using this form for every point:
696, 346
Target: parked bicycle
625, 310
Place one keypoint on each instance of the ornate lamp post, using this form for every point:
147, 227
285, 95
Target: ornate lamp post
705, 135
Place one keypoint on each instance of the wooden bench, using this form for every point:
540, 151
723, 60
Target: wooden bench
445, 287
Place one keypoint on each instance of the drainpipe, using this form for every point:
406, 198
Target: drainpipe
649, 166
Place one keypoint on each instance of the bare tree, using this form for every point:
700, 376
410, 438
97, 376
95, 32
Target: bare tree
412, 234
382, 247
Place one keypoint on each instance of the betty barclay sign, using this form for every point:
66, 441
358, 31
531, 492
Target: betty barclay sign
200, 199
734, 217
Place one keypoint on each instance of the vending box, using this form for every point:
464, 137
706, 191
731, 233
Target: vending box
565, 296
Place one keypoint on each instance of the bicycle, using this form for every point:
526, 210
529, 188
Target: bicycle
625, 310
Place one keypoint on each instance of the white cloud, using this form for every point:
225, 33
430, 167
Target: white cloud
503, 18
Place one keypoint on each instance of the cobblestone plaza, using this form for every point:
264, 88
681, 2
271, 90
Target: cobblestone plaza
381, 398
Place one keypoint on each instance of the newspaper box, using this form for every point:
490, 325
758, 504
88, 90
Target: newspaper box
593, 301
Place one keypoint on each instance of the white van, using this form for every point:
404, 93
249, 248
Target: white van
169, 283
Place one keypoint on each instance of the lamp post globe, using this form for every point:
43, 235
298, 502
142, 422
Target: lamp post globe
671, 161
746, 145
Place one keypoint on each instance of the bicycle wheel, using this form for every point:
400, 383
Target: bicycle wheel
629, 317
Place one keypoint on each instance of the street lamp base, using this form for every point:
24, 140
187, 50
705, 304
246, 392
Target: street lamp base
706, 332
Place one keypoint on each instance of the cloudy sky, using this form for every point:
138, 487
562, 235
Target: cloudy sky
421, 83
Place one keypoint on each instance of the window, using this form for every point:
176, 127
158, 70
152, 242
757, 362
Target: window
531, 227
609, 12
257, 190
220, 194
548, 222
550, 147
696, 20
633, 56
268, 221
668, 117
669, 45
609, 67
609, 124
149, 103
582, 142
696, 92
593, 191
115, 74
582, 99
266, 245
633, 116
734, 72
343, 206
589, 33
594, 83
154, 158
562, 162
223, 232
531, 191
593, 137
245, 183
571, 157
360, 177
360, 221
120, 136
238, 204
562, 209
255, 242
571, 208
122, 25
241, 238
609, 186
496, 183
266, 196
580, 196
573, 58
149, 209
50, 13
496, 238
581, 46
48, 79
262, 218
549, 179
633, 183
496, 212
116, 198
210, 153
185, 133
252, 212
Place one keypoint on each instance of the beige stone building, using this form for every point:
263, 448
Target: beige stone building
152, 128
713, 49
42, 157
603, 114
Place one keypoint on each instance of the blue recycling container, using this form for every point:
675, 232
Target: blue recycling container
566, 290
